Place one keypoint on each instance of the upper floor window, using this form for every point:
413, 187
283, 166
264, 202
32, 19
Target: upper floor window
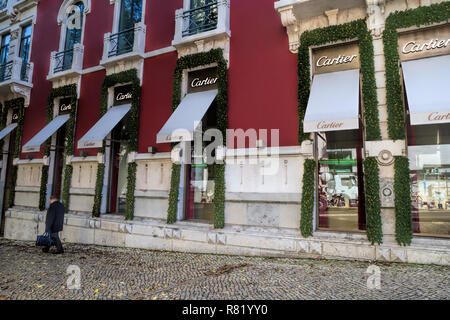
25, 43
4, 48
201, 17
74, 26
130, 14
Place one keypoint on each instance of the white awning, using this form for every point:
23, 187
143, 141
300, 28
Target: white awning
192, 109
7, 130
34, 145
333, 102
427, 87
95, 136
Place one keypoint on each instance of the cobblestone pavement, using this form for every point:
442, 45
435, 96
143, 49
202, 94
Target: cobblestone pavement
118, 273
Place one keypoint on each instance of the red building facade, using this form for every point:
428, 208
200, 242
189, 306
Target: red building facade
112, 80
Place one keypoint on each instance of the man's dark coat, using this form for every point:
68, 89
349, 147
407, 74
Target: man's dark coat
55, 217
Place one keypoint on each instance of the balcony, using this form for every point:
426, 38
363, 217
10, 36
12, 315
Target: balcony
209, 22
68, 63
127, 44
16, 76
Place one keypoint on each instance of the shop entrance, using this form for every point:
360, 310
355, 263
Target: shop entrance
200, 179
117, 187
8, 181
340, 180
59, 162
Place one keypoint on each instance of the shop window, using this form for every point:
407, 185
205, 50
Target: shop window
429, 159
341, 191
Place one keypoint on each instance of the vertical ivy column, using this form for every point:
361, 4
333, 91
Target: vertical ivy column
344, 32
128, 76
307, 213
420, 16
18, 103
69, 91
189, 62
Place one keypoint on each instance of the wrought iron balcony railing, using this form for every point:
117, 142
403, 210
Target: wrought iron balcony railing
63, 61
121, 42
200, 19
66, 63
124, 45
6, 71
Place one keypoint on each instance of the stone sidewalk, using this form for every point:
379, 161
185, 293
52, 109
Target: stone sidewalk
117, 273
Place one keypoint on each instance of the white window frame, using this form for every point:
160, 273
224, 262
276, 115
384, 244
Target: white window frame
117, 8
62, 20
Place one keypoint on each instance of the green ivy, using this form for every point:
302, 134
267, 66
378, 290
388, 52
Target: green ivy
421, 16
426, 15
98, 190
344, 32
372, 201
132, 127
43, 190
189, 62
307, 203
68, 91
18, 104
131, 186
173, 195
402, 190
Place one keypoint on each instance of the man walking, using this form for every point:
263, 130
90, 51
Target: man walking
54, 223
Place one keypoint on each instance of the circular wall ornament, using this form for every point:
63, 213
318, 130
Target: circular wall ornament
385, 158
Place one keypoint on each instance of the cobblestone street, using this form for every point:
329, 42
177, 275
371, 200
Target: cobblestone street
116, 273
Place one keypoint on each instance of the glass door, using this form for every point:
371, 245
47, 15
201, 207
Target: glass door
340, 181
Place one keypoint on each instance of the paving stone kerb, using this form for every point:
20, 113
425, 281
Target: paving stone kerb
121, 273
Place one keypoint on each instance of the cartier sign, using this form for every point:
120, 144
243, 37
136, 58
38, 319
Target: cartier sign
439, 116
336, 58
123, 95
202, 80
424, 43
65, 106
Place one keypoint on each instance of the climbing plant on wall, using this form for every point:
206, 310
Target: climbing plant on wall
344, 32
132, 127
70, 92
421, 16
355, 30
186, 63
19, 105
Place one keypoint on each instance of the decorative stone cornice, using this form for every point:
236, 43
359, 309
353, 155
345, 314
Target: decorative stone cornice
289, 21
332, 16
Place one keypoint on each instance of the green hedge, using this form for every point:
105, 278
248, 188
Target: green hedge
372, 201
344, 32
402, 190
307, 203
132, 127
421, 16
185, 63
18, 104
356, 30
426, 15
